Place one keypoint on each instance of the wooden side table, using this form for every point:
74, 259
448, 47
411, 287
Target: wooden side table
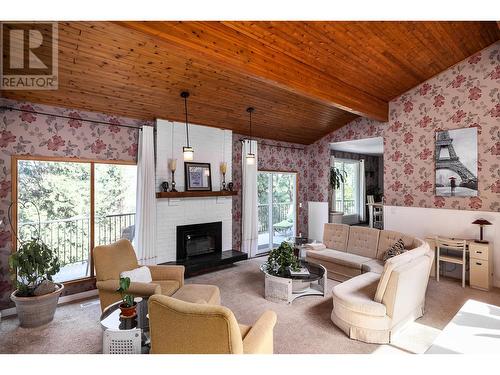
481, 265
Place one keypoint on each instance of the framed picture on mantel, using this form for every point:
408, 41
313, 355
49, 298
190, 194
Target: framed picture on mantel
198, 176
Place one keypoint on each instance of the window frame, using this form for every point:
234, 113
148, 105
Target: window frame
358, 207
297, 205
14, 176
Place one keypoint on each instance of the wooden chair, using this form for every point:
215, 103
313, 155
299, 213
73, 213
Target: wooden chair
455, 246
377, 212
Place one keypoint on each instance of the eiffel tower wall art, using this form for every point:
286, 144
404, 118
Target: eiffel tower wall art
456, 162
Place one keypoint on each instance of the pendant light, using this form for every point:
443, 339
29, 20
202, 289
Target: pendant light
187, 150
250, 156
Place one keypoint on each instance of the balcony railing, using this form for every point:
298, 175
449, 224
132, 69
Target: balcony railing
70, 238
281, 211
348, 207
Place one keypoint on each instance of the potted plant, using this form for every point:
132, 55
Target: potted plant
128, 305
337, 178
281, 260
36, 295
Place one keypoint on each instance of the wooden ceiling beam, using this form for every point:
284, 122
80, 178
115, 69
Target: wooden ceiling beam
240, 53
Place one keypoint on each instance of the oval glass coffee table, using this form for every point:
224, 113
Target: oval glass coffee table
286, 288
125, 332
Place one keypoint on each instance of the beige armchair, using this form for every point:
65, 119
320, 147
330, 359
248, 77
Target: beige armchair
178, 327
111, 260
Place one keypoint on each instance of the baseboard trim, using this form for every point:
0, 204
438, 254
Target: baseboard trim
62, 300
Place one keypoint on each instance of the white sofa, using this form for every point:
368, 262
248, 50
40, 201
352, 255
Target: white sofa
353, 250
373, 305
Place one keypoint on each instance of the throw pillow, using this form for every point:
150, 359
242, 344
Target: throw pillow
138, 275
397, 248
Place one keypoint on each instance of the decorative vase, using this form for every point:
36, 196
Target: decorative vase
36, 310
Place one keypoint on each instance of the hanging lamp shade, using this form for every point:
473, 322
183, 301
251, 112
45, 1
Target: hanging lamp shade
250, 157
187, 150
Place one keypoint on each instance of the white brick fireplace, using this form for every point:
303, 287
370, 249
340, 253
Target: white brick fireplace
210, 145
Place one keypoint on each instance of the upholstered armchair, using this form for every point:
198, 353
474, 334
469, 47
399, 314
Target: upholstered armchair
111, 260
178, 327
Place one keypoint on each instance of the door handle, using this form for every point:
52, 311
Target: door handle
479, 264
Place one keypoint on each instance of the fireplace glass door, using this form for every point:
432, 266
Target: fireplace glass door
276, 208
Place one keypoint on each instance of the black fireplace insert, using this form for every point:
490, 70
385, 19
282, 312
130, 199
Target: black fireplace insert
196, 240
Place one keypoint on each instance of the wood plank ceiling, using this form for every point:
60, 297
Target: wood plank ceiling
305, 79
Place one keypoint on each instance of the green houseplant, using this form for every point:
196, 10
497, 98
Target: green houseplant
32, 267
281, 260
36, 296
337, 178
128, 305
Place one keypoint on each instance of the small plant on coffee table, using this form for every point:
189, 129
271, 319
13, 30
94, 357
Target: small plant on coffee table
281, 260
128, 305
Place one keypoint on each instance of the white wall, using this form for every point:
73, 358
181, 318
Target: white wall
429, 222
210, 145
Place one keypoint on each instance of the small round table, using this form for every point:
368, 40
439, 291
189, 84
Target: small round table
111, 320
287, 287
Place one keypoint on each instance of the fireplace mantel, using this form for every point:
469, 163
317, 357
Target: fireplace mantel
195, 194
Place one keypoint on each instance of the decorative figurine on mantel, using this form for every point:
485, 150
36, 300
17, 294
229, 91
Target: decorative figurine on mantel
223, 170
172, 164
164, 186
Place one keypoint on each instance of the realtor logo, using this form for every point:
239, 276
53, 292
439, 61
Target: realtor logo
29, 56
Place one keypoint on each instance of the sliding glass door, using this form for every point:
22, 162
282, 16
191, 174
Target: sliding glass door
347, 196
60, 201
276, 208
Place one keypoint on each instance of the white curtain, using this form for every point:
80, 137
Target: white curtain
249, 235
145, 217
362, 191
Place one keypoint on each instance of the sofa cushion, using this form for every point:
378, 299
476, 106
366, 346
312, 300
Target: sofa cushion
139, 275
357, 294
387, 238
338, 257
168, 287
195, 293
335, 271
374, 265
335, 236
397, 248
363, 241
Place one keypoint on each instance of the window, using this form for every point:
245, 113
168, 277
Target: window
72, 197
347, 196
276, 208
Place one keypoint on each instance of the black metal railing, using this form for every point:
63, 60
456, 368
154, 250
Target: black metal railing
71, 237
348, 207
281, 211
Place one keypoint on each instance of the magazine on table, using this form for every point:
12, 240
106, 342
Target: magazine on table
303, 271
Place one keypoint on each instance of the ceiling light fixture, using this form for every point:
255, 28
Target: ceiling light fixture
187, 150
250, 156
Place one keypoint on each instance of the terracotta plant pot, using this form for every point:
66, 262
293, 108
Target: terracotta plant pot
128, 312
36, 310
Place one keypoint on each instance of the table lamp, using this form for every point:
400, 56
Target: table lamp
481, 223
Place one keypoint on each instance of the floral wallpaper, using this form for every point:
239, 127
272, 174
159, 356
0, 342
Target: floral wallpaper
466, 95
273, 156
24, 133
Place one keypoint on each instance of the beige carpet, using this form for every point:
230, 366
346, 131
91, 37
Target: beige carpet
303, 327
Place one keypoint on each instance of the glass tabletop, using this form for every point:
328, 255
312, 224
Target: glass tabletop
316, 272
